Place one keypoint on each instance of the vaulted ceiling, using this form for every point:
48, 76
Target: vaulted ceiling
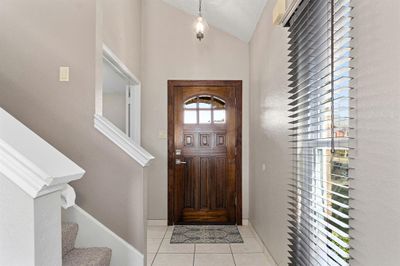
237, 17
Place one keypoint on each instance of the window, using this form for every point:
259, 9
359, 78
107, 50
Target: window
204, 109
320, 112
116, 94
117, 105
120, 94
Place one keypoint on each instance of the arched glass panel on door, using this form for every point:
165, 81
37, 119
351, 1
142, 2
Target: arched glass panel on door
204, 109
205, 102
219, 112
190, 112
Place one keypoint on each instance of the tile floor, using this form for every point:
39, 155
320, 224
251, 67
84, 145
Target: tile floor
161, 253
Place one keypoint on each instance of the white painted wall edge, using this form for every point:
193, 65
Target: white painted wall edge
119, 138
30, 162
92, 233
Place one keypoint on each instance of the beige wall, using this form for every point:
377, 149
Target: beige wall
377, 158
122, 31
269, 135
171, 51
114, 109
36, 38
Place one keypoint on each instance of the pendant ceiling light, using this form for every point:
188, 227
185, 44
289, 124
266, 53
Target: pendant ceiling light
200, 24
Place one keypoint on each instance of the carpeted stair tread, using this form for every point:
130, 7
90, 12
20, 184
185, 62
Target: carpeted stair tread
69, 233
88, 257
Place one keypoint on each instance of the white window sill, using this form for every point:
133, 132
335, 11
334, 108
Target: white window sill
119, 138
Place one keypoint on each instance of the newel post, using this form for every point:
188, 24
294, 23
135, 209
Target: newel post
33, 177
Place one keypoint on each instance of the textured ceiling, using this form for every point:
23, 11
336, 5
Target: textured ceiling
237, 17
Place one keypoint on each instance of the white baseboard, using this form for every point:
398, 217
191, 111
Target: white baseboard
157, 222
245, 221
265, 249
94, 234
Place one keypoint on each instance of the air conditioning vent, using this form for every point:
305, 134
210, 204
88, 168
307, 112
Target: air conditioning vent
284, 10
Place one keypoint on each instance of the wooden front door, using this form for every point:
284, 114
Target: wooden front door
204, 152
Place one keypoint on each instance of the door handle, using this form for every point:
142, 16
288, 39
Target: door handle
179, 161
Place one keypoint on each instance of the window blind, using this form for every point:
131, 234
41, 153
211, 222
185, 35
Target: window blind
320, 139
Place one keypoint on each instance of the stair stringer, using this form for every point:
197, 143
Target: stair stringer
92, 233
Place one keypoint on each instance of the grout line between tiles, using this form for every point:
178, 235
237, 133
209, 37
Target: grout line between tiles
194, 254
159, 246
164, 238
233, 257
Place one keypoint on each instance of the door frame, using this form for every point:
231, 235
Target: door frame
233, 84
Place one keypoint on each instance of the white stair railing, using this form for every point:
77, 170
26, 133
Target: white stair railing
33, 175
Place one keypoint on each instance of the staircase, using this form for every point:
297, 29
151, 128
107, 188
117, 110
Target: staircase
34, 179
71, 256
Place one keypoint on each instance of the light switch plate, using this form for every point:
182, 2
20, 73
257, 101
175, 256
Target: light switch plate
263, 167
162, 134
64, 73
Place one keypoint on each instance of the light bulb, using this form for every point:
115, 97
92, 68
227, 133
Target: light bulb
200, 28
200, 25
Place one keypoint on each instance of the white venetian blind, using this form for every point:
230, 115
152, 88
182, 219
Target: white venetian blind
320, 113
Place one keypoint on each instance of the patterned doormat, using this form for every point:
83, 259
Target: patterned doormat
197, 234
